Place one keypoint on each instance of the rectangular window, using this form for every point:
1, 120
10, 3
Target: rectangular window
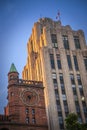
61, 124
84, 107
59, 108
62, 83
54, 40
81, 91
65, 42
79, 79
27, 110
77, 106
72, 79
69, 62
74, 91
27, 120
65, 106
58, 61
52, 61
60, 119
57, 95
55, 81
33, 111
79, 119
77, 43
75, 98
33, 120
76, 63
63, 96
56, 92
61, 78
85, 62
62, 88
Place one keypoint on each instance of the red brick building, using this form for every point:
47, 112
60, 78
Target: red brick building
26, 107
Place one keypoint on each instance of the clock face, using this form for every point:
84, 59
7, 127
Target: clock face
29, 97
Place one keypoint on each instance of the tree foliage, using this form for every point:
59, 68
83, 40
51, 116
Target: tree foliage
73, 124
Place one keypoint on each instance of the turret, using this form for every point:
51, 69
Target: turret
13, 97
13, 75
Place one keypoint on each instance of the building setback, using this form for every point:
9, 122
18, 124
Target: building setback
57, 56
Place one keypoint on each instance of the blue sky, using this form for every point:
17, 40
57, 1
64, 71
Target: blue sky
17, 18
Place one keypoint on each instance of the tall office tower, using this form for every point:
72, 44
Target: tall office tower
57, 55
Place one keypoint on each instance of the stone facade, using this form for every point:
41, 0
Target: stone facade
57, 56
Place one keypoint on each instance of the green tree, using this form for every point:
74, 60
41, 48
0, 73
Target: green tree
73, 124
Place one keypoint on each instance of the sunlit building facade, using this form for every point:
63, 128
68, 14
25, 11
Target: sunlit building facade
57, 56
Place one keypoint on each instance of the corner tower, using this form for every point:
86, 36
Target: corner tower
13, 101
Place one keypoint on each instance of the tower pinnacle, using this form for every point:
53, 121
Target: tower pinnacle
13, 68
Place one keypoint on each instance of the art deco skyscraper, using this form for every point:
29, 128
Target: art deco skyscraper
57, 55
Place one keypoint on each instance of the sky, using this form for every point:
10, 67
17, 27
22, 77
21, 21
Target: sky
17, 18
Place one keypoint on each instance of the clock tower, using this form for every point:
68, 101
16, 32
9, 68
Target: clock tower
26, 104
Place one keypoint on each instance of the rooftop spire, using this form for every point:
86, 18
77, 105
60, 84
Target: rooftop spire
13, 68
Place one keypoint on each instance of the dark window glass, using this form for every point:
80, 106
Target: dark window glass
85, 62
76, 63
79, 79
59, 113
65, 106
81, 91
27, 120
79, 119
52, 61
33, 111
72, 79
65, 42
78, 109
57, 102
77, 106
56, 92
57, 96
54, 40
61, 122
58, 61
62, 84
84, 109
74, 91
61, 79
86, 119
77, 43
55, 81
27, 110
69, 62
62, 88
58, 105
33, 120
